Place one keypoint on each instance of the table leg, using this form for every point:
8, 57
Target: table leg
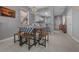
20, 41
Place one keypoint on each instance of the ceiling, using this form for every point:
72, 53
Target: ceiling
58, 10
38, 7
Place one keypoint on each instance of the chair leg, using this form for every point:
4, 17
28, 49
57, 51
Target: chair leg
29, 44
14, 39
39, 40
45, 41
26, 40
34, 41
47, 38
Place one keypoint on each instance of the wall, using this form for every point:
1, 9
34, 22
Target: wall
8, 25
64, 20
69, 22
75, 23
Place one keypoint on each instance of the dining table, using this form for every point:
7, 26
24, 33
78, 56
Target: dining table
30, 29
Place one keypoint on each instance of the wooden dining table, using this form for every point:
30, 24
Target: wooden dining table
33, 30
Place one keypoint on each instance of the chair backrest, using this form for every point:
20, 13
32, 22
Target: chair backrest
26, 29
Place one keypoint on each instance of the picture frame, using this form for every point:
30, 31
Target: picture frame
7, 12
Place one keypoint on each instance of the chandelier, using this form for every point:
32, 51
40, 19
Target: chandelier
34, 10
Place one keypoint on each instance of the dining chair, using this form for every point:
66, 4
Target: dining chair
17, 34
42, 36
28, 36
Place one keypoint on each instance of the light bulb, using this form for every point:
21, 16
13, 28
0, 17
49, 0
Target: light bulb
46, 13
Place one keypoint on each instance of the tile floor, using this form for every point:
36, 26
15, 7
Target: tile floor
58, 42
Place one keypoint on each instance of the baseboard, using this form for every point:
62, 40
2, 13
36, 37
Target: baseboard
6, 39
74, 38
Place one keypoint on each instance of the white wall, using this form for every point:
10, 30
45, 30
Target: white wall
9, 25
73, 23
69, 22
64, 19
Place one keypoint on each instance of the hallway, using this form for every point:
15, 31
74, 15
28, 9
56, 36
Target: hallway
58, 42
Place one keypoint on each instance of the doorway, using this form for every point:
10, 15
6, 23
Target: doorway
57, 22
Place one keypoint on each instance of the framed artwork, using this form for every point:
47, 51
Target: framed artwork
24, 17
4, 11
